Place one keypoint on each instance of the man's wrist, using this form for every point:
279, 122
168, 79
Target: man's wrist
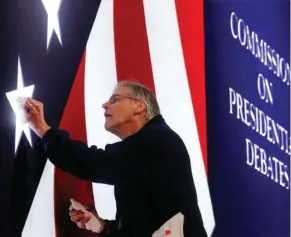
102, 227
40, 132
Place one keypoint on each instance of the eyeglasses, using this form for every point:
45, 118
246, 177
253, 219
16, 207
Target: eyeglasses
114, 98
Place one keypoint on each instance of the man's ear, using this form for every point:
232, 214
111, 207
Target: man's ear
140, 106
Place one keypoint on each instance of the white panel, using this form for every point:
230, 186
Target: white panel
40, 220
100, 79
173, 94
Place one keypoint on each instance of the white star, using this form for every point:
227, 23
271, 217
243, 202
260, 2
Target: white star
12, 96
52, 8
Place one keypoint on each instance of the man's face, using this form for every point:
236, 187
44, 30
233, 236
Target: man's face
119, 110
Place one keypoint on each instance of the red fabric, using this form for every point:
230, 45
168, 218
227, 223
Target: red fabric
67, 186
191, 27
131, 43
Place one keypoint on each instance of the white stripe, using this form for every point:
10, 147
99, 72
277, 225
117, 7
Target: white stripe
41, 215
173, 92
100, 79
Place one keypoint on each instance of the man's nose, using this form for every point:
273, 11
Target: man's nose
105, 105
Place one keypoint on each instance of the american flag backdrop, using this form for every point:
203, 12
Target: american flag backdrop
73, 53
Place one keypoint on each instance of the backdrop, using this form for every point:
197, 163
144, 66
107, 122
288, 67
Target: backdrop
70, 54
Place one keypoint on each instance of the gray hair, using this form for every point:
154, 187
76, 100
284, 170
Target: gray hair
141, 92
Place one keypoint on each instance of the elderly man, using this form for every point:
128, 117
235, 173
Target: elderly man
149, 167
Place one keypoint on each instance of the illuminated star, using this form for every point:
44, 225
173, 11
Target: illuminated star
12, 96
52, 8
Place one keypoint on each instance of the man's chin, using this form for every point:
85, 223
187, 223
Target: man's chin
111, 129
107, 127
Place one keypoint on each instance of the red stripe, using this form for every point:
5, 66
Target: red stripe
131, 43
190, 21
67, 186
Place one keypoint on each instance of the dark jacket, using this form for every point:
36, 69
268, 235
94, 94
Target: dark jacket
150, 171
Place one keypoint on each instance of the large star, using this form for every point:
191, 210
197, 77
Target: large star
52, 8
21, 91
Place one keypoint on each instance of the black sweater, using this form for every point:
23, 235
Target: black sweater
150, 171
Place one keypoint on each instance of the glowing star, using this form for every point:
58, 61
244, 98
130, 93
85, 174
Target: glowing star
21, 91
52, 8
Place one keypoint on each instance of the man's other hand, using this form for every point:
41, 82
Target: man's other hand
78, 217
86, 217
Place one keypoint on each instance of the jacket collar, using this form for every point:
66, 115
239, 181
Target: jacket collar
157, 120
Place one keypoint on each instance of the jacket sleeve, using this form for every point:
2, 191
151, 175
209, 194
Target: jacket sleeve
111, 229
76, 158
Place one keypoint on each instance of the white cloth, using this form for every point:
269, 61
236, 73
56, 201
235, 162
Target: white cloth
172, 228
